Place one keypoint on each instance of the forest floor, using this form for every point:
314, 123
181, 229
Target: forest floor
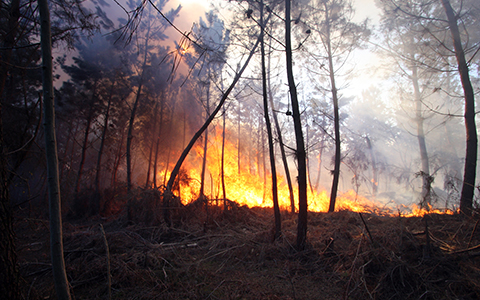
232, 255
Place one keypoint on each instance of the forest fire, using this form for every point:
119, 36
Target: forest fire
246, 184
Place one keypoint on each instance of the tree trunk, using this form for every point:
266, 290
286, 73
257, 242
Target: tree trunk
132, 116
153, 142
224, 190
468, 189
300, 152
276, 208
130, 135
157, 146
374, 167
425, 200
205, 147
238, 140
84, 151
9, 276
336, 117
56, 242
118, 159
100, 151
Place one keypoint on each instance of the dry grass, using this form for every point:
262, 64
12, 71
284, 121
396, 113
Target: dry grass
231, 255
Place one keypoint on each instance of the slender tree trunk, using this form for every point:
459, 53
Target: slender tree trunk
319, 171
56, 242
238, 140
169, 153
276, 208
157, 146
374, 167
336, 117
83, 154
100, 151
468, 189
118, 159
425, 200
130, 135
205, 147
300, 152
280, 139
224, 190
9, 276
308, 161
153, 142
133, 114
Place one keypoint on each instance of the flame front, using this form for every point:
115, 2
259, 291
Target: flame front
247, 185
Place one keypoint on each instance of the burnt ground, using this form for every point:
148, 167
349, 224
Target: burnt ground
232, 255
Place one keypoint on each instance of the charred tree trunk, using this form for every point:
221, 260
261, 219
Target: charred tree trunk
468, 189
276, 208
336, 117
300, 152
56, 242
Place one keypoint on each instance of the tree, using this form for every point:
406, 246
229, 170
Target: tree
429, 18
300, 149
468, 189
56, 243
339, 36
151, 29
276, 208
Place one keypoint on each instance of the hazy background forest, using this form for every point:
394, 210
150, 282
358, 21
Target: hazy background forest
131, 90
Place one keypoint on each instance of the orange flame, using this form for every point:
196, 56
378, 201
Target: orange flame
246, 186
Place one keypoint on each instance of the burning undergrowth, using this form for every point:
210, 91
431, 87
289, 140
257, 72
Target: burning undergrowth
212, 253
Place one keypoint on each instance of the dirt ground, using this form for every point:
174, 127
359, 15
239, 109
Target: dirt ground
232, 255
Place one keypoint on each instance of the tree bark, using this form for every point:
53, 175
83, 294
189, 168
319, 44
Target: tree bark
468, 188
300, 152
336, 117
9, 276
271, 150
56, 242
